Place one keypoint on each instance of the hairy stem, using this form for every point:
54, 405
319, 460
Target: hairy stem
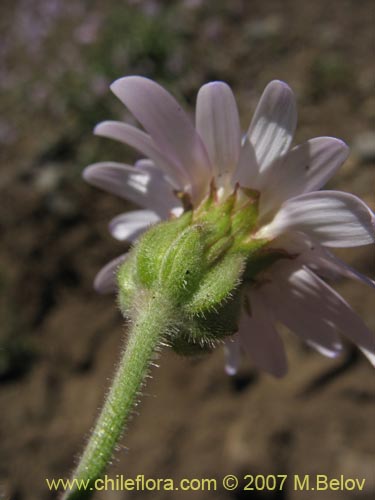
147, 331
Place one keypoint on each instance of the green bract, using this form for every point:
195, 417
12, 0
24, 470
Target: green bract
197, 264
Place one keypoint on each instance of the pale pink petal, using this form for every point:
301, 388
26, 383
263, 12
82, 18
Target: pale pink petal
293, 242
128, 226
169, 126
311, 253
307, 293
299, 310
247, 172
260, 339
150, 189
147, 165
141, 141
334, 218
218, 124
272, 127
343, 316
105, 281
305, 168
232, 355
327, 265
332, 352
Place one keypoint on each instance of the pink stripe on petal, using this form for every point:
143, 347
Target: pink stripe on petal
169, 126
106, 281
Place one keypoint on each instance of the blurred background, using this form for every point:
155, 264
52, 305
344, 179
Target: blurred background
59, 341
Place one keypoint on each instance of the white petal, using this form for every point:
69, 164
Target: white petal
150, 189
334, 218
128, 226
312, 294
247, 172
305, 168
333, 351
319, 259
232, 355
147, 165
169, 126
142, 142
105, 281
327, 265
218, 124
343, 316
260, 339
272, 127
298, 308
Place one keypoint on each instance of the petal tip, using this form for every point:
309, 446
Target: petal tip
230, 370
370, 355
340, 144
102, 287
119, 85
99, 128
115, 86
215, 83
279, 85
86, 173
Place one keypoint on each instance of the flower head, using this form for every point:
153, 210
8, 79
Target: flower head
274, 204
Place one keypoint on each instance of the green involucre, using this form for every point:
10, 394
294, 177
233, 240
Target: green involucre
198, 263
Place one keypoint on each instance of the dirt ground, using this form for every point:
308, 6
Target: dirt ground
59, 341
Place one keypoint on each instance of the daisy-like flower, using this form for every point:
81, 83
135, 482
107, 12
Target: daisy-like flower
185, 163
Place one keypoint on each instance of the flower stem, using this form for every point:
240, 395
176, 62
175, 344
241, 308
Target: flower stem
148, 329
